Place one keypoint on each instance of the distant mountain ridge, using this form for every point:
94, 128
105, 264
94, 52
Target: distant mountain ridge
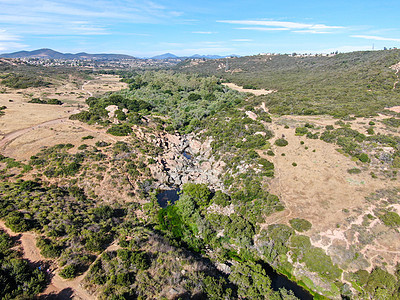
51, 54
46, 53
173, 56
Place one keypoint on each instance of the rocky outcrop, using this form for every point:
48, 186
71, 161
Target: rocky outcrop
185, 159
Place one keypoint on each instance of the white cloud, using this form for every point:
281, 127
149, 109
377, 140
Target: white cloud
242, 40
5, 36
263, 28
46, 13
289, 25
280, 25
8, 46
311, 31
85, 29
203, 32
376, 38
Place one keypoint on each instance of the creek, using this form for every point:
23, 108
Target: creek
169, 197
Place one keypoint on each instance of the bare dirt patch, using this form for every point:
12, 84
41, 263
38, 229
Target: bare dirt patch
25, 143
104, 83
254, 92
320, 190
396, 109
32, 254
26, 127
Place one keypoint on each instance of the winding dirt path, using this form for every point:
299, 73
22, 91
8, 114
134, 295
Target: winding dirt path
32, 253
397, 81
8, 138
57, 284
86, 91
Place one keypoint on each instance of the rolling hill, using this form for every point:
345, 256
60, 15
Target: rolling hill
51, 54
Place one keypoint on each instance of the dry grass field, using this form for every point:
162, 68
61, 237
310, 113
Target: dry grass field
27, 127
320, 190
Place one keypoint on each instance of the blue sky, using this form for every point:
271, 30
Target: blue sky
146, 28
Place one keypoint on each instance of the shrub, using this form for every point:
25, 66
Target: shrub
102, 144
221, 199
120, 130
301, 130
281, 142
370, 131
249, 87
300, 225
363, 157
17, 222
82, 147
329, 127
354, 171
267, 165
194, 97
47, 249
54, 102
396, 162
70, 271
88, 137
270, 153
390, 219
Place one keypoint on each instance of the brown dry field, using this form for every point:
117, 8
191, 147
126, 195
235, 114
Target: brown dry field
320, 190
27, 127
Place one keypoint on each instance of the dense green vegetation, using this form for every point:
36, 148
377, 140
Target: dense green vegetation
358, 83
185, 99
18, 280
379, 284
49, 101
22, 81
300, 225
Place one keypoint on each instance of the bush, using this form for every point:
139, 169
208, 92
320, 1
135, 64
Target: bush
270, 153
300, 225
390, 219
249, 87
120, 130
301, 130
70, 271
267, 165
82, 147
88, 137
363, 157
329, 127
396, 162
354, 171
47, 248
281, 142
102, 144
16, 222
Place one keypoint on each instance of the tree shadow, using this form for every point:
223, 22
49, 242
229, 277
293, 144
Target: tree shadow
65, 294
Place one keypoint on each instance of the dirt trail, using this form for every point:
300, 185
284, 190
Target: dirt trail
28, 243
8, 138
58, 284
32, 253
254, 92
396, 67
86, 91
397, 81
